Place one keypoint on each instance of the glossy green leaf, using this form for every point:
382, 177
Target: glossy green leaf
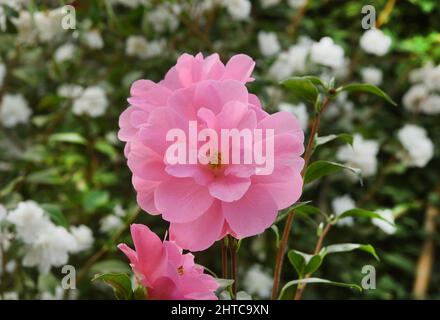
346, 137
70, 137
346, 247
321, 168
361, 213
367, 88
302, 87
120, 282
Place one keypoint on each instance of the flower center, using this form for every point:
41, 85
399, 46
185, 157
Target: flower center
216, 161
180, 271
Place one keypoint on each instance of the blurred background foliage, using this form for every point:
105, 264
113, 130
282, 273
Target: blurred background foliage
74, 163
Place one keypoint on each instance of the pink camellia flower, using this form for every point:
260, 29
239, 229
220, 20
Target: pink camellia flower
164, 271
214, 196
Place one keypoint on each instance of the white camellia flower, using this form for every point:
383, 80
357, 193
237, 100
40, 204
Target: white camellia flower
414, 96
372, 75
432, 79
431, 105
110, 223
386, 227
419, 149
83, 238
48, 24
327, 53
29, 220
374, 41
50, 248
420, 74
269, 3
362, 155
93, 102
164, 18
292, 61
26, 31
238, 9
258, 282
298, 110
268, 43
342, 204
93, 40
2, 73
138, 46
65, 53
295, 4
14, 109
70, 91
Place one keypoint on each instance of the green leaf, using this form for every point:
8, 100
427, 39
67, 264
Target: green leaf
321, 168
318, 280
314, 264
346, 247
55, 214
120, 282
95, 199
298, 261
110, 266
70, 137
10, 186
290, 209
223, 284
140, 293
47, 176
308, 210
303, 87
361, 213
346, 137
367, 88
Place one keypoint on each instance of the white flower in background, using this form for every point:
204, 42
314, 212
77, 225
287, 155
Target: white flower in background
238, 9
2, 73
57, 295
65, 52
298, 110
51, 248
119, 211
414, 96
48, 24
268, 43
29, 220
431, 105
110, 223
295, 4
361, 155
341, 107
269, 3
83, 238
419, 75
26, 31
3, 212
112, 137
432, 78
70, 91
164, 17
10, 295
342, 204
372, 75
374, 41
419, 148
258, 282
327, 53
138, 46
14, 109
258, 248
386, 227
93, 102
292, 61
93, 40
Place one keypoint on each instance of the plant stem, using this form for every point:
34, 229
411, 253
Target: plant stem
224, 258
233, 252
285, 238
318, 247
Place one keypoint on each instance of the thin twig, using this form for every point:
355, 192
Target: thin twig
233, 252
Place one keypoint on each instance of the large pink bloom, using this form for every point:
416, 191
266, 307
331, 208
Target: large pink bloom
203, 203
164, 270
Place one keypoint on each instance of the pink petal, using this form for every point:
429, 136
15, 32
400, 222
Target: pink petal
229, 188
145, 163
182, 200
283, 122
201, 233
252, 214
240, 68
145, 194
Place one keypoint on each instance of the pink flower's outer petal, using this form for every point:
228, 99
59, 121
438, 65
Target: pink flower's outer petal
145, 194
239, 67
252, 214
201, 233
129, 252
145, 163
182, 200
229, 188
151, 255
146, 94
283, 122
164, 288
236, 115
201, 174
127, 130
